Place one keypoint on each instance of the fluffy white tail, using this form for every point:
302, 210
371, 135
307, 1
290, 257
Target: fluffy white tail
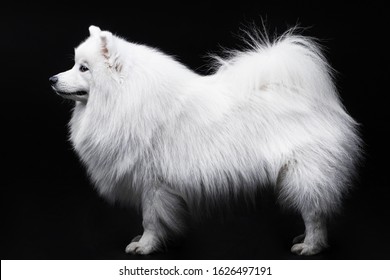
292, 61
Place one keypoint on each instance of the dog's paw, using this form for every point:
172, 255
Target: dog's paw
141, 245
305, 249
137, 248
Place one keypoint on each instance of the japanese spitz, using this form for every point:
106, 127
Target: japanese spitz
158, 136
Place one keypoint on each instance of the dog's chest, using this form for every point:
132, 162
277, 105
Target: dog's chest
92, 137
104, 144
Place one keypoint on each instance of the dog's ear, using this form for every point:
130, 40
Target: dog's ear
107, 41
109, 50
94, 30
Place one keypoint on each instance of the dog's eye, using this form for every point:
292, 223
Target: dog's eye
83, 68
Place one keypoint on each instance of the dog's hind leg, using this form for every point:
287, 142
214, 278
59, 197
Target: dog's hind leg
164, 214
301, 189
315, 238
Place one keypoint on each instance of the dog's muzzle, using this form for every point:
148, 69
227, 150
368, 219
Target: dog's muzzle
53, 81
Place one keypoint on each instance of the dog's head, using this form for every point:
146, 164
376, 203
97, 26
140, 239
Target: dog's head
97, 53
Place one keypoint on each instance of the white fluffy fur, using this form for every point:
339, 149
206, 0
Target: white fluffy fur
156, 135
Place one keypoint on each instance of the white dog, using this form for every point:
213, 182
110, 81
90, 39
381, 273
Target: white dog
156, 135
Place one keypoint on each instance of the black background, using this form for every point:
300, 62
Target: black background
50, 210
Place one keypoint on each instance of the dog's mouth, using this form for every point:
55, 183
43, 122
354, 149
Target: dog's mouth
80, 95
75, 93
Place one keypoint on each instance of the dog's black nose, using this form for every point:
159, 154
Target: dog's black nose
53, 80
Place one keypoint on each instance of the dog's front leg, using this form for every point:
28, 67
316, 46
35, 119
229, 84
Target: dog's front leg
163, 213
